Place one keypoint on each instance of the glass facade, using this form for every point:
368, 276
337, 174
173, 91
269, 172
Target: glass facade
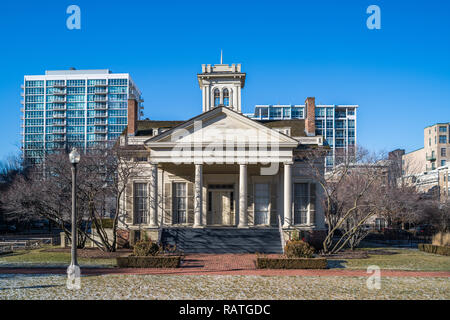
336, 123
87, 112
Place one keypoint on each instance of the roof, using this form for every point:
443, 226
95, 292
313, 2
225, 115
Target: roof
297, 125
145, 127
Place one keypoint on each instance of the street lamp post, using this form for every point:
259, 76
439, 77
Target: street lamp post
74, 158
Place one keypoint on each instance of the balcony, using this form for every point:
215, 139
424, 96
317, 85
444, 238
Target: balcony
59, 108
100, 107
100, 99
59, 85
58, 101
431, 158
59, 93
59, 124
59, 116
98, 91
101, 85
101, 115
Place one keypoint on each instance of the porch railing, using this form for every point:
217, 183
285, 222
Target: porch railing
280, 230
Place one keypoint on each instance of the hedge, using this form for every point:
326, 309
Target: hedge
430, 248
291, 263
149, 262
106, 223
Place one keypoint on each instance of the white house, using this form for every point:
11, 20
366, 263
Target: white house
221, 182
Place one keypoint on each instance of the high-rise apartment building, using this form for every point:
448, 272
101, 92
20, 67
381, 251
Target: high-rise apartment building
75, 108
434, 154
336, 123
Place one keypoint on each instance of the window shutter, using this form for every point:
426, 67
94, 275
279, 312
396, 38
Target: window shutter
312, 203
190, 202
273, 204
129, 203
167, 202
250, 200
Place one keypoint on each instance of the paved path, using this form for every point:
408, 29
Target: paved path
225, 264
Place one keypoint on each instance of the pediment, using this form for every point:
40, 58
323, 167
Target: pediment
221, 125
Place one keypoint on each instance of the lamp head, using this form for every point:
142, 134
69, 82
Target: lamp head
74, 156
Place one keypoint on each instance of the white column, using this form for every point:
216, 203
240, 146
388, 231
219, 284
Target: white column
198, 195
243, 219
208, 98
204, 98
287, 195
153, 195
239, 99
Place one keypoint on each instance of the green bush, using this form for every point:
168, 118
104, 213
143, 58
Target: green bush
441, 250
295, 263
298, 249
149, 262
145, 248
106, 223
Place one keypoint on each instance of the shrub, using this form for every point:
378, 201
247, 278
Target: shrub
441, 239
106, 223
148, 262
441, 250
144, 248
296, 263
298, 249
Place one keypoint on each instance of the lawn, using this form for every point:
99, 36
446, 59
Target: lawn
118, 287
400, 259
42, 257
385, 258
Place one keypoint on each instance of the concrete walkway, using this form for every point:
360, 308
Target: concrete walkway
225, 264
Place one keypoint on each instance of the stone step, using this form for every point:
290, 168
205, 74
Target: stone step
226, 240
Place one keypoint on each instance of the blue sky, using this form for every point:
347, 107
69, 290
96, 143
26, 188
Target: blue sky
399, 75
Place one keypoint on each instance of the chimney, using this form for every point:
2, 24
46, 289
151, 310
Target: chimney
310, 118
132, 117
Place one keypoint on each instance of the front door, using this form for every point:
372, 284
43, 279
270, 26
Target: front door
220, 208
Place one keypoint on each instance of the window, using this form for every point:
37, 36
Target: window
226, 97
140, 203
443, 152
442, 139
320, 112
275, 112
179, 202
443, 163
262, 199
216, 97
297, 113
304, 202
442, 129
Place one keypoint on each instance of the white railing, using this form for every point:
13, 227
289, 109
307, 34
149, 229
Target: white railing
280, 230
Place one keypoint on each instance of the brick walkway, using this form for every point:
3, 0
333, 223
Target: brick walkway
225, 264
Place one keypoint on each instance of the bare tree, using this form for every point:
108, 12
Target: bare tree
351, 195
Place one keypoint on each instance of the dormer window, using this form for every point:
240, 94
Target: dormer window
226, 97
216, 97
